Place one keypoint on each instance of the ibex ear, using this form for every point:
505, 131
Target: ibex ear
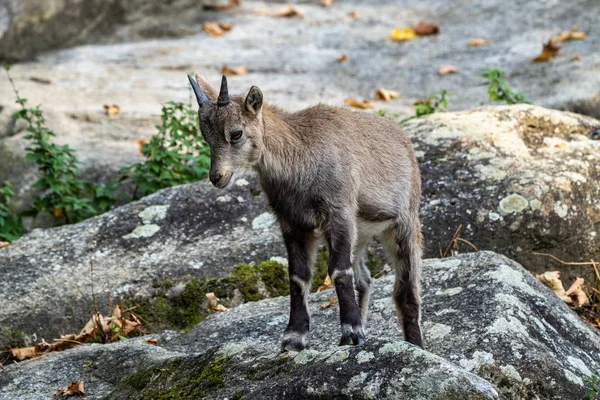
207, 88
254, 100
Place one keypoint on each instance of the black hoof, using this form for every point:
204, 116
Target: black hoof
352, 336
293, 342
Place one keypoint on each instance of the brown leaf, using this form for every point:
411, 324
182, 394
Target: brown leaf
140, 143
575, 58
112, 109
327, 284
262, 11
152, 342
448, 69
58, 212
332, 301
224, 7
213, 303
233, 70
576, 293
353, 14
23, 353
572, 34
425, 28
549, 50
213, 29
478, 42
75, 388
3, 244
226, 26
385, 95
342, 59
325, 3
129, 325
552, 280
289, 12
358, 104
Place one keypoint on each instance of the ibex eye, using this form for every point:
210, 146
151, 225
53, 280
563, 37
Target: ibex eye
237, 135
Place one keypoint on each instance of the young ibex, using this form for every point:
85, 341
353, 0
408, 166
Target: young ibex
328, 173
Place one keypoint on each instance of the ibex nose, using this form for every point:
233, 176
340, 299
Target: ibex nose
215, 177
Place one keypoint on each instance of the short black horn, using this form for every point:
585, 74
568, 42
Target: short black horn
223, 99
200, 96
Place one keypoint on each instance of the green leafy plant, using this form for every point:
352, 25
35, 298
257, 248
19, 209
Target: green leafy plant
11, 227
178, 154
498, 89
436, 102
592, 386
62, 193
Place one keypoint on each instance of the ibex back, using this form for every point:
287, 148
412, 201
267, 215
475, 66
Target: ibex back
331, 175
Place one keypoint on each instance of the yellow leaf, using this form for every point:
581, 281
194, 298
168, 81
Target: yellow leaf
478, 42
233, 70
385, 95
342, 59
327, 284
58, 212
213, 29
403, 34
572, 34
358, 104
353, 14
448, 69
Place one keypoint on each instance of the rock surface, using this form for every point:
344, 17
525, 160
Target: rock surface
491, 329
72, 85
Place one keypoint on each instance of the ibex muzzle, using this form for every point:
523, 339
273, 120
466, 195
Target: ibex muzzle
331, 175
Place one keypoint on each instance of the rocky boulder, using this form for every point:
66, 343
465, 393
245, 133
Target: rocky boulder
519, 179
492, 331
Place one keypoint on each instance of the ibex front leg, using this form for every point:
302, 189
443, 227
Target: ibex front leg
341, 239
301, 248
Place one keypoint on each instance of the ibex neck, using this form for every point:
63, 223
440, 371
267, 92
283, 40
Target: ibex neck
282, 142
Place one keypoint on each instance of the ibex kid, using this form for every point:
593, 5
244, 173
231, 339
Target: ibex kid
328, 173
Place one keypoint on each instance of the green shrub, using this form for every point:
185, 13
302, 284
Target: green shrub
177, 155
498, 89
10, 225
436, 102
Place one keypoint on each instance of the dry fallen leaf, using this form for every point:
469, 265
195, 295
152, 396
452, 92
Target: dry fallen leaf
213, 303
552, 280
3, 244
425, 28
332, 301
75, 388
325, 3
478, 42
448, 69
112, 109
342, 58
226, 26
131, 324
576, 293
262, 11
572, 34
23, 353
233, 70
575, 58
152, 342
385, 95
353, 14
358, 104
58, 212
402, 35
289, 12
549, 50
213, 29
224, 7
327, 284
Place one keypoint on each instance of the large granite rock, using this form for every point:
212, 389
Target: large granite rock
520, 179
492, 331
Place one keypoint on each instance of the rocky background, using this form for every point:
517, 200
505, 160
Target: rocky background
518, 180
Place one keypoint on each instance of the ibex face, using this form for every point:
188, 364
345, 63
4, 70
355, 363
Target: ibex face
232, 128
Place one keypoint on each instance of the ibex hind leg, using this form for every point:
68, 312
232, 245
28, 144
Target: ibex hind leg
362, 279
403, 247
